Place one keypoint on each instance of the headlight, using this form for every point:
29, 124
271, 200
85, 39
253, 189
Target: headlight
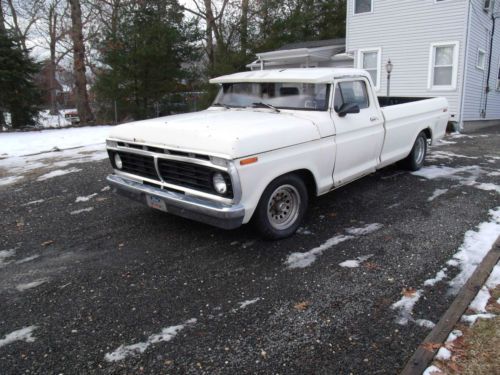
118, 161
219, 183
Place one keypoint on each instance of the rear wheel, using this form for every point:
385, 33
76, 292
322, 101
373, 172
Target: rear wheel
281, 207
416, 159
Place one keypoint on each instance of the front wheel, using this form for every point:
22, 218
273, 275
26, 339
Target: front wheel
416, 159
281, 207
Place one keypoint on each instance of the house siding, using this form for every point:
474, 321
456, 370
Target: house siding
480, 38
404, 31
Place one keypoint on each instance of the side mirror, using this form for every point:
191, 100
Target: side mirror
348, 108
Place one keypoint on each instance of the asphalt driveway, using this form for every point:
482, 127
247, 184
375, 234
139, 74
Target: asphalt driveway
104, 285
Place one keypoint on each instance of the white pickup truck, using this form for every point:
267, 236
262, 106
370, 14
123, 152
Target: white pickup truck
271, 140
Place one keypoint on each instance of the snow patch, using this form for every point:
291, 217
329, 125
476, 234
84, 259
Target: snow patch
425, 323
432, 370
76, 212
28, 259
471, 319
10, 180
248, 302
455, 334
23, 334
437, 193
356, 262
57, 173
33, 284
166, 334
34, 202
302, 260
476, 245
105, 188
405, 307
86, 198
439, 276
488, 187
4, 254
443, 354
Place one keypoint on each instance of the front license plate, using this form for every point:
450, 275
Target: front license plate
156, 203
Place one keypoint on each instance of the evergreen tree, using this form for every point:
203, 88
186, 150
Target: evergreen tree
18, 93
144, 58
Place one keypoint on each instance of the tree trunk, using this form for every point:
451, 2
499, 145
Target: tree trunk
52, 63
209, 33
81, 94
2, 21
244, 27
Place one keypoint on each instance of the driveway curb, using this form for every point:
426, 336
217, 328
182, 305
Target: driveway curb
424, 355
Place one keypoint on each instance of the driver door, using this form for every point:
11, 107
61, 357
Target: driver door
359, 136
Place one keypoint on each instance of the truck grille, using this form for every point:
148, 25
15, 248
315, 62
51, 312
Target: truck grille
139, 165
183, 174
192, 176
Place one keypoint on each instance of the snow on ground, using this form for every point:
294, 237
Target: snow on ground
356, 262
46, 120
33, 284
476, 245
302, 260
425, 323
432, 370
166, 334
437, 193
405, 306
4, 254
23, 334
28, 259
34, 202
248, 302
76, 212
57, 173
24, 152
86, 198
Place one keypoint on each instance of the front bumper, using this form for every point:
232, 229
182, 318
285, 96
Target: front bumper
203, 210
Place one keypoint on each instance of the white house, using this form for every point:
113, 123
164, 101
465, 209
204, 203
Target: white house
445, 48
437, 48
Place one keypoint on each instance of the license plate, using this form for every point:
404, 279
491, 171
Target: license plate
156, 203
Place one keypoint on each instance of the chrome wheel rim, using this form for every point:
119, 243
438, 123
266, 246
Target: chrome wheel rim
420, 150
283, 207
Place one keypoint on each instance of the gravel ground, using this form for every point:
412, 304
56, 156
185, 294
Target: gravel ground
121, 273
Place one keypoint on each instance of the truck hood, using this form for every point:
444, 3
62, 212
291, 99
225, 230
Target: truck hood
232, 133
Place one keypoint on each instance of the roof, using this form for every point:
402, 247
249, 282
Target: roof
313, 44
303, 75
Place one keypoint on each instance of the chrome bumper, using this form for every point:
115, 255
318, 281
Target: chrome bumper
203, 210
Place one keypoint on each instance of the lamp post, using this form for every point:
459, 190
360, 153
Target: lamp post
388, 67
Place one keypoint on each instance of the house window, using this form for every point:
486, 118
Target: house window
369, 60
443, 66
487, 5
481, 59
363, 6
498, 78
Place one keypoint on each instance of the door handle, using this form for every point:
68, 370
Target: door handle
373, 118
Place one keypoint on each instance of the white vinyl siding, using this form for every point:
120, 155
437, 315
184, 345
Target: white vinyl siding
476, 102
363, 6
443, 66
370, 60
405, 30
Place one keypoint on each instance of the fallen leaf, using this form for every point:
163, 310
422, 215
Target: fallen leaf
302, 306
371, 266
47, 243
409, 292
101, 199
431, 346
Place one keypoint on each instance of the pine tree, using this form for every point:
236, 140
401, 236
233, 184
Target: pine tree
145, 58
18, 93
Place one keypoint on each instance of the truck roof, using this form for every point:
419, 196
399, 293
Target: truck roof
303, 75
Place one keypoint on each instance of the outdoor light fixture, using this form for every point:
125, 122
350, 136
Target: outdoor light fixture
388, 67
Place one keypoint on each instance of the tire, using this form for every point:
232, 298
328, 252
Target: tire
416, 159
282, 207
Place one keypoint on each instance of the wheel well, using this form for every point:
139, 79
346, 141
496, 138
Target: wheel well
308, 178
428, 133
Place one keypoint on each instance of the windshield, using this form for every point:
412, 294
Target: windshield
299, 96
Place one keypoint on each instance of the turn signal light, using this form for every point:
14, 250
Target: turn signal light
249, 161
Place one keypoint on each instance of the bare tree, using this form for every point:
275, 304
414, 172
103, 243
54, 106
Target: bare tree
22, 16
81, 93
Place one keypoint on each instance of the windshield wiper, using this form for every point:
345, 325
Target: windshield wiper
221, 105
265, 105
